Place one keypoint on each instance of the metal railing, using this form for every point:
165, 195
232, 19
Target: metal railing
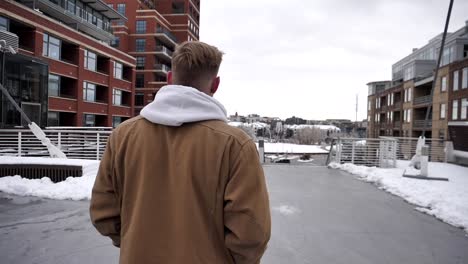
163, 50
76, 144
167, 33
378, 152
422, 100
422, 123
406, 148
162, 67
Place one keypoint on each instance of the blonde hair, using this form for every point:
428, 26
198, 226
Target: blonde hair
195, 63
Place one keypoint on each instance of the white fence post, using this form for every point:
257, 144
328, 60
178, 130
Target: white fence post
59, 140
395, 146
352, 152
97, 146
19, 143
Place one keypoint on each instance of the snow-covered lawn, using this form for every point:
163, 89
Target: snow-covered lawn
293, 148
447, 201
72, 188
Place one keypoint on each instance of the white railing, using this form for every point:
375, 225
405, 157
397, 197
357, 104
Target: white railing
75, 143
406, 148
364, 151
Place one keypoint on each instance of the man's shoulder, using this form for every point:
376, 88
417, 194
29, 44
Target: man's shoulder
222, 127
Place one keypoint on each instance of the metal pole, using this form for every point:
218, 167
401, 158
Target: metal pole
97, 146
436, 75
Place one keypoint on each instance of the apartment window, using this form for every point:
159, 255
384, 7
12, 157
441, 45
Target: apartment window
3, 23
51, 47
139, 99
54, 85
465, 78
443, 85
410, 91
116, 120
455, 110
464, 108
369, 105
140, 80
405, 115
455, 80
140, 63
90, 61
121, 9
443, 111
409, 115
115, 42
53, 119
117, 70
117, 97
89, 120
140, 45
441, 134
141, 26
89, 92
392, 99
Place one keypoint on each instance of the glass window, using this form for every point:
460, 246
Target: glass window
410, 91
139, 99
455, 81
116, 120
121, 9
3, 23
409, 115
115, 42
53, 119
89, 92
465, 78
90, 60
117, 70
54, 85
51, 47
443, 85
89, 120
443, 111
140, 63
141, 26
464, 108
140, 45
117, 97
140, 80
71, 6
455, 110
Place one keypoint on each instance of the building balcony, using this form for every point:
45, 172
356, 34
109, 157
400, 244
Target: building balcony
163, 53
166, 37
422, 123
423, 100
76, 17
397, 105
397, 124
161, 69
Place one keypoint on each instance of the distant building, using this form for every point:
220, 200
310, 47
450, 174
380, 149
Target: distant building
152, 31
65, 72
398, 107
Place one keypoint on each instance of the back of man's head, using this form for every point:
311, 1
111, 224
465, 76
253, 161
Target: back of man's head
196, 64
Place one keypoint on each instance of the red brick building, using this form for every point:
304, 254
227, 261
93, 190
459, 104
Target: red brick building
82, 80
151, 33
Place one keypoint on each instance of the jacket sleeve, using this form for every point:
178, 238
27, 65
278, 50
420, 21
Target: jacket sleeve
246, 208
105, 205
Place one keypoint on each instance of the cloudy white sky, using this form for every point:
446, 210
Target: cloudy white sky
310, 58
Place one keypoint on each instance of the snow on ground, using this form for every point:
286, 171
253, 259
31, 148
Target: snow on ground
286, 210
78, 188
292, 148
447, 201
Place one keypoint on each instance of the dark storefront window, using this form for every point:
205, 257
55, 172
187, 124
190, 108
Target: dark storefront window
26, 79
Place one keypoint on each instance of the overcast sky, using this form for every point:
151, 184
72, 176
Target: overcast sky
310, 58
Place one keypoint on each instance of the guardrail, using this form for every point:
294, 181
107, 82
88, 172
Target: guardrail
376, 152
406, 148
421, 123
76, 144
422, 100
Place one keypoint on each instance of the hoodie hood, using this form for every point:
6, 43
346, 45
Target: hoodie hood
175, 105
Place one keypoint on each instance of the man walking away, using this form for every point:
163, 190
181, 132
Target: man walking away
177, 184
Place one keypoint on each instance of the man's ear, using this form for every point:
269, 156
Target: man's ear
215, 85
169, 78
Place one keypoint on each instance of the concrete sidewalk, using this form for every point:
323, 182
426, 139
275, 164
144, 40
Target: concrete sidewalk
319, 216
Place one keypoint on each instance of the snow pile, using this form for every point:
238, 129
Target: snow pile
321, 127
447, 201
255, 125
293, 148
72, 188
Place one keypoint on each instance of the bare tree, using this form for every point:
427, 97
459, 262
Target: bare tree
249, 131
309, 136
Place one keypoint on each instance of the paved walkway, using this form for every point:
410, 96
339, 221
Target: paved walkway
319, 216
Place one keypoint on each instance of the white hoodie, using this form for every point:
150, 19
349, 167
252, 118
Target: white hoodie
175, 105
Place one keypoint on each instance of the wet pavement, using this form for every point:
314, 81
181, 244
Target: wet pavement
319, 216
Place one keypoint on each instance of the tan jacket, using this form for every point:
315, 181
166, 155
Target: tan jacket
193, 193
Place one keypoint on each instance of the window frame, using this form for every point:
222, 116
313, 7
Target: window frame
48, 43
141, 26
464, 109
87, 86
117, 94
456, 82
88, 57
140, 45
58, 85
443, 111
455, 110
118, 70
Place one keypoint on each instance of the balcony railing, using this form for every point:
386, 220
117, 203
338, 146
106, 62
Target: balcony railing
422, 123
167, 33
422, 100
164, 50
397, 124
162, 67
